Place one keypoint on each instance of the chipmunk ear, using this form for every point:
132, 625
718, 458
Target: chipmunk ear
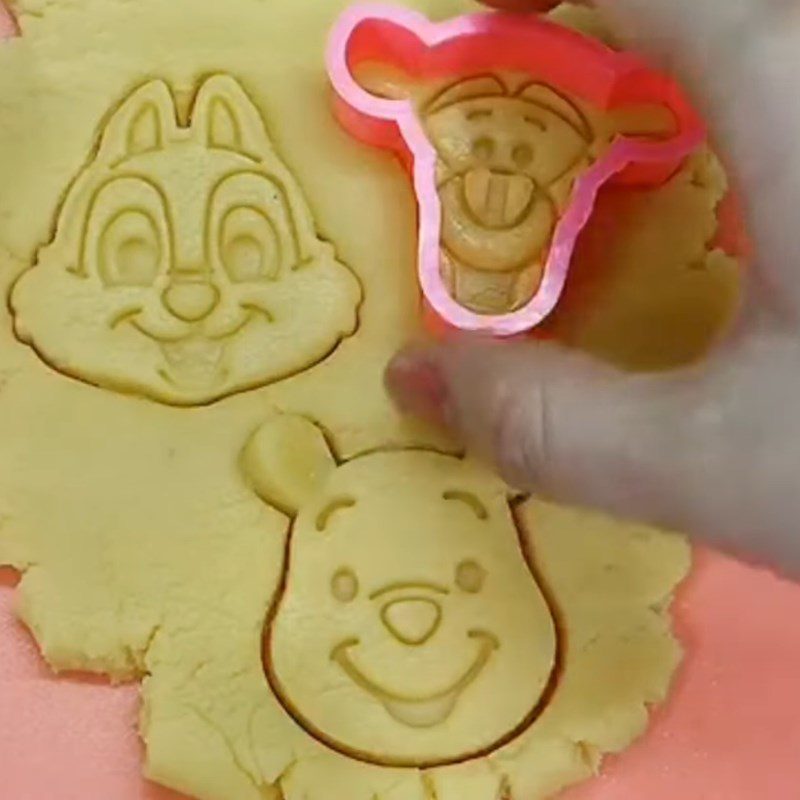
142, 123
225, 117
286, 461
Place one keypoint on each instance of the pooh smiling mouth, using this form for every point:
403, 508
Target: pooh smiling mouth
418, 711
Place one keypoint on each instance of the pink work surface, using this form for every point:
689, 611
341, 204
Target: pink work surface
730, 731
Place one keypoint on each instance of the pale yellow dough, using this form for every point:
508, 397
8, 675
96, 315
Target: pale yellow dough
179, 506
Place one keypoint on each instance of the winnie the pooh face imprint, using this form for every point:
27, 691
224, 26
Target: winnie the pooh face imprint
408, 609
185, 266
501, 152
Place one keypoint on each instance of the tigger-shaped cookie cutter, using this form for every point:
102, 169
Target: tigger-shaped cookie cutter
593, 114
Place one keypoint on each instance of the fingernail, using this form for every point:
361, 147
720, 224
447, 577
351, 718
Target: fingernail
419, 388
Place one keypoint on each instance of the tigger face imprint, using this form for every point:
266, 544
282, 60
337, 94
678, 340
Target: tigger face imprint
508, 148
185, 265
500, 153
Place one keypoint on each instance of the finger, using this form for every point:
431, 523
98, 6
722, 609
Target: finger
552, 422
707, 452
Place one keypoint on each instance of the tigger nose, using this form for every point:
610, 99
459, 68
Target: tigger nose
191, 301
412, 621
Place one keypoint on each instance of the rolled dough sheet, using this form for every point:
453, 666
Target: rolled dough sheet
193, 271
709, 741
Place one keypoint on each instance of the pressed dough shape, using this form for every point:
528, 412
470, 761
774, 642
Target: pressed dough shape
439, 644
145, 550
189, 257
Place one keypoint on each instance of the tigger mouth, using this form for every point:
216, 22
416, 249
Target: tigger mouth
497, 200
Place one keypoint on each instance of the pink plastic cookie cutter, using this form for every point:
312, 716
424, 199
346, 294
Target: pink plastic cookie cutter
487, 42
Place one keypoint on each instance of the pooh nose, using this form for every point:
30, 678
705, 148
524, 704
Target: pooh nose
412, 621
191, 301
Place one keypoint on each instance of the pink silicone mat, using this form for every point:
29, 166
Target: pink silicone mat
730, 731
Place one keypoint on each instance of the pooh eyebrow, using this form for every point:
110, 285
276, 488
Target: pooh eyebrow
479, 113
468, 499
324, 516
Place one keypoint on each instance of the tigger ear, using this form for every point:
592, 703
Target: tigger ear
142, 124
286, 462
642, 122
386, 81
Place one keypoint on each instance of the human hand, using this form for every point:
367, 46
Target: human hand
713, 449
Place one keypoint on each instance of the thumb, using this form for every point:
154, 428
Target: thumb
553, 421
8, 27
523, 5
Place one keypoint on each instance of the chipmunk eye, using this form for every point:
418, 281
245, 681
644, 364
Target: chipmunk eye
470, 576
344, 585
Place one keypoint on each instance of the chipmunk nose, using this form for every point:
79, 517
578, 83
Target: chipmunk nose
412, 621
191, 300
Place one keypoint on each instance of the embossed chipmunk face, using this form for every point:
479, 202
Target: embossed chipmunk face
410, 629
500, 152
185, 266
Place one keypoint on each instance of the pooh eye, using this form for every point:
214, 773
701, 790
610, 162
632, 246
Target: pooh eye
344, 585
129, 250
522, 155
483, 148
249, 246
470, 576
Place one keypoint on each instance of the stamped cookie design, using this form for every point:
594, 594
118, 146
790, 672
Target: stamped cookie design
411, 629
185, 266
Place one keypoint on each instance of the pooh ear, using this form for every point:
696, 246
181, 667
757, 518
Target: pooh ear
287, 461
225, 118
545, 97
467, 89
142, 123
642, 122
